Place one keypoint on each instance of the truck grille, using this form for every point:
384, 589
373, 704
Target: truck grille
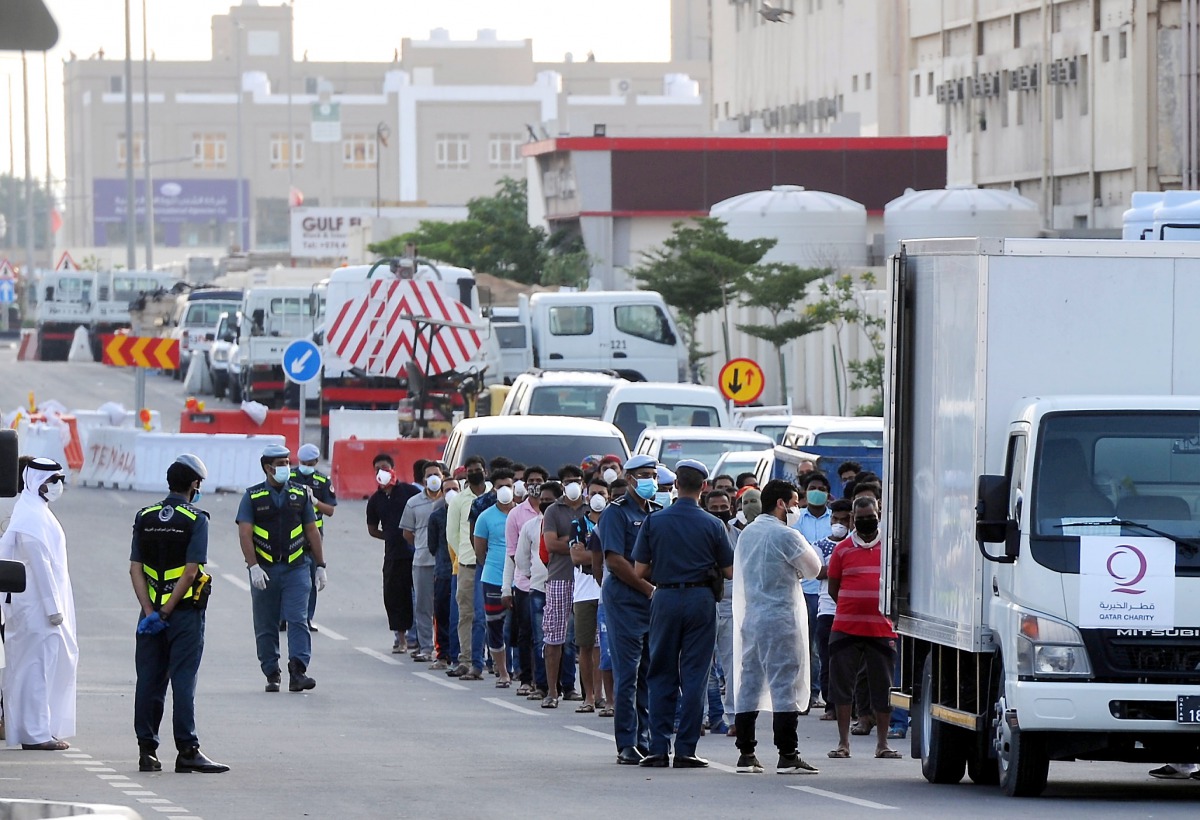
1156, 658
1132, 658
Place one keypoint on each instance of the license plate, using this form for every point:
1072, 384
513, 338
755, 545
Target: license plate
1188, 709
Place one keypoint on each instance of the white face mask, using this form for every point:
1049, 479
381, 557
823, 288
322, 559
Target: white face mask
433, 483
450, 494
609, 475
54, 491
383, 477
504, 495
598, 503
793, 515
838, 531
573, 491
519, 488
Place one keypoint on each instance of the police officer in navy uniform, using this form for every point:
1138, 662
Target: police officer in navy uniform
167, 556
324, 500
627, 609
678, 548
277, 528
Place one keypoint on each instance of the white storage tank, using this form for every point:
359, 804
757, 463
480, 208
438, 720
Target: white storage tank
958, 211
1138, 221
1178, 217
813, 228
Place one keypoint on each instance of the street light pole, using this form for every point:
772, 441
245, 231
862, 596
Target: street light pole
148, 185
28, 272
130, 193
241, 245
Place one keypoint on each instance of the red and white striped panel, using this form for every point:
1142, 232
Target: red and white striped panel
394, 343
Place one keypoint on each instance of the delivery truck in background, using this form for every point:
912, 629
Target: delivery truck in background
1041, 526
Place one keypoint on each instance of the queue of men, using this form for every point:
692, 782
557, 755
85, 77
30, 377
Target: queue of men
674, 603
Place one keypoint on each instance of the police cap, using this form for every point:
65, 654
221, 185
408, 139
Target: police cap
274, 451
692, 464
639, 461
186, 469
308, 452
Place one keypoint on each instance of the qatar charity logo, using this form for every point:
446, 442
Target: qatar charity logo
1127, 567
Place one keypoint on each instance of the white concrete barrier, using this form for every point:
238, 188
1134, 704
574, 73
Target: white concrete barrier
232, 460
42, 441
89, 420
11, 809
364, 425
110, 458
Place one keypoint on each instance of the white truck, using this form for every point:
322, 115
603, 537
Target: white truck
1042, 468
629, 332
270, 319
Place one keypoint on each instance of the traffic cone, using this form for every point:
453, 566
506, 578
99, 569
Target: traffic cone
81, 347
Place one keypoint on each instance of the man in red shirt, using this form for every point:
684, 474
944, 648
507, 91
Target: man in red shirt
862, 636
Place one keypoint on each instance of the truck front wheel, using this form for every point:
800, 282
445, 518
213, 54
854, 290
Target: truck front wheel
1021, 757
943, 747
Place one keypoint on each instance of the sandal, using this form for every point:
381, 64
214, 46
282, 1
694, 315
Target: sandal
503, 684
887, 754
607, 711
524, 689
587, 707
49, 746
839, 754
828, 716
861, 728
549, 702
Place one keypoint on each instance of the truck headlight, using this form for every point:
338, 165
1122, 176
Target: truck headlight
1049, 648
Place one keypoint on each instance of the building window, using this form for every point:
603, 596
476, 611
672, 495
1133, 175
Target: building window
452, 151
358, 151
916, 85
929, 84
854, 83
1104, 48
867, 81
209, 150
504, 150
139, 156
1123, 45
279, 150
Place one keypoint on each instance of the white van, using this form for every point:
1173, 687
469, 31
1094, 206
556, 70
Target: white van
630, 332
834, 431
635, 406
546, 440
581, 394
669, 445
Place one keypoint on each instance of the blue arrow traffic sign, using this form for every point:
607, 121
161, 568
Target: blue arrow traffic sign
302, 361
8, 292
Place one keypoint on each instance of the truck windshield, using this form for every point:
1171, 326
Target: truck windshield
1139, 467
850, 438
581, 401
706, 451
541, 449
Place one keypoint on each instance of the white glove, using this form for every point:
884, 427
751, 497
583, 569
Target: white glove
56, 619
322, 578
258, 577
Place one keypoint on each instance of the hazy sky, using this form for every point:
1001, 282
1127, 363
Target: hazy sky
616, 30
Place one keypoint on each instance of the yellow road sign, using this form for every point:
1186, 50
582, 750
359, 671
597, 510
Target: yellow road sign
741, 380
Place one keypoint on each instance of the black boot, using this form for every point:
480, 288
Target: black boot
273, 682
297, 680
193, 760
148, 760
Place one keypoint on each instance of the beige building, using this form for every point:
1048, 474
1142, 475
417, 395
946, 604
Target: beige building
239, 138
1074, 103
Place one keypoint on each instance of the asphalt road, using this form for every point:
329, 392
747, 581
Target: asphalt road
382, 737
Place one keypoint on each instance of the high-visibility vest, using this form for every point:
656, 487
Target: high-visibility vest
278, 532
164, 532
317, 482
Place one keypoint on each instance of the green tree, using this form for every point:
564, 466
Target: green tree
495, 238
843, 306
699, 269
776, 287
567, 261
12, 214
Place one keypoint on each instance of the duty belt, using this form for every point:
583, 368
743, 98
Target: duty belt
688, 585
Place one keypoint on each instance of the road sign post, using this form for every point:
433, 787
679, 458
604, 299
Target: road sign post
741, 381
302, 364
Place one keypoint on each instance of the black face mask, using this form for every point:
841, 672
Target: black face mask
545, 505
724, 515
475, 478
866, 527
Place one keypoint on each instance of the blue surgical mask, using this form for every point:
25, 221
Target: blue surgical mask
663, 498
196, 496
646, 488
817, 497
282, 474
306, 470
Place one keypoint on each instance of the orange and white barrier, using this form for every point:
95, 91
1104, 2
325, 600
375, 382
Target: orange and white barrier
365, 425
28, 350
110, 459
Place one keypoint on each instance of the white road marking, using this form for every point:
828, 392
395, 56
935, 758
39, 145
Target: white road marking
329, 633
379, 656
129, 786
98, 769
712, 764
80, 755
583, 730
503, 704
240, 583
138, 793
845, 798
169, 809
112, 777
449, 684
150, 800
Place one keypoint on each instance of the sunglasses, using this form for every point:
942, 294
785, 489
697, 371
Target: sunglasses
55, 479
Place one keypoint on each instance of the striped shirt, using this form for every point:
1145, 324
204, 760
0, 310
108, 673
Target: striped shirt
857, 567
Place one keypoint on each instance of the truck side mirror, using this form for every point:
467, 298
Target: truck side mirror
991, 517
9, 470
12, 576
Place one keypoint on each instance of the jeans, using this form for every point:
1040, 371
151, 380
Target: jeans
602, 627
522, 636
452, 624
716, 708
423, 607
627, 619
821, 639
398, 589
566, 669
725, 658
284, 599
172, 656
442, 601
814, 680
312, 595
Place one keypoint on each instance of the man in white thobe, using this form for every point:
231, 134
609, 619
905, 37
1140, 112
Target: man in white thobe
41, 649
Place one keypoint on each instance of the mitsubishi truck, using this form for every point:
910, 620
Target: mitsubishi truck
270, 319
1041, 533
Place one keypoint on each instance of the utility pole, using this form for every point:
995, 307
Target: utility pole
50, 205
237, 27
130, 192
148, 184
27, 272
12, 173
